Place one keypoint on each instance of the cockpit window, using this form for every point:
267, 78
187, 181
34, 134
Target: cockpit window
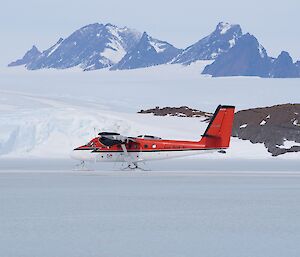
149, 137
90, 144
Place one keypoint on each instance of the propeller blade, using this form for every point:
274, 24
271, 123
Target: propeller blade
127, 157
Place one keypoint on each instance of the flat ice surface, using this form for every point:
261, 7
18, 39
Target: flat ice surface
143, 214
186, 164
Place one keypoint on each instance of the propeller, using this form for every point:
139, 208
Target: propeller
110, 139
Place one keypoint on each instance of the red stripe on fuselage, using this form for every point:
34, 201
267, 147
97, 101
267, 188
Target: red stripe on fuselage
144, 145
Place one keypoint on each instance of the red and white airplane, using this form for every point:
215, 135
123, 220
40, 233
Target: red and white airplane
113, 147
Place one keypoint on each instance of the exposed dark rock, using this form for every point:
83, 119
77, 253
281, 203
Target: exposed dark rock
272, 126
182, 111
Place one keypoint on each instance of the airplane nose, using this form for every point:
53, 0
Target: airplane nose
82, 155
75, 155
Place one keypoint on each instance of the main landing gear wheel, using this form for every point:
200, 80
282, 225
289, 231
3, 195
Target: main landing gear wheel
82, 167
134, 166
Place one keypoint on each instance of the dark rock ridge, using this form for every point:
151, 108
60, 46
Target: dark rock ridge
277, 127
274, 126
148, 52
182, 111
249, 58
218, 42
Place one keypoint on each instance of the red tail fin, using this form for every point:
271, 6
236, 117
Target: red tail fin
218, 132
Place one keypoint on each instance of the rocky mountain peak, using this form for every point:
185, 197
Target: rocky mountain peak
148, 52
29, 57
284, 57
283, 67
246, 58
225, 27
218, 42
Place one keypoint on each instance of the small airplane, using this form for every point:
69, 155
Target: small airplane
113, 147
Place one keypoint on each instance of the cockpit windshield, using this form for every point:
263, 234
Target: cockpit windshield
90, 144
149, 137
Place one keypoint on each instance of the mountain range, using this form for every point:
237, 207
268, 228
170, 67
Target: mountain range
97, 46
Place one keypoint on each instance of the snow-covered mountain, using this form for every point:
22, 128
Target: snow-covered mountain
98, 46
218, 42
148, 52
94, 46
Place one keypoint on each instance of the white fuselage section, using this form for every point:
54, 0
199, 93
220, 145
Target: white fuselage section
138, 156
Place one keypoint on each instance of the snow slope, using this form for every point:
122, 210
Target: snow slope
37, 126
47, 113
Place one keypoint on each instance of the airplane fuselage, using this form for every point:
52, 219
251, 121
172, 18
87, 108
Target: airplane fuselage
141, 150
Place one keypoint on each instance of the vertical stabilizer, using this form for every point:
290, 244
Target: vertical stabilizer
218, 132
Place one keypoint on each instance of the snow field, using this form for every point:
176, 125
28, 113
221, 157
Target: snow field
47, 113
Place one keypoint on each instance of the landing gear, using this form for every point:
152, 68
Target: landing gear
134, 166
82, 167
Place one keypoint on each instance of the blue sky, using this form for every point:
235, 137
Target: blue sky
24, 23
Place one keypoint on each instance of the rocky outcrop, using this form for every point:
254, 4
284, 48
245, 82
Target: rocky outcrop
182, 111
277, 127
